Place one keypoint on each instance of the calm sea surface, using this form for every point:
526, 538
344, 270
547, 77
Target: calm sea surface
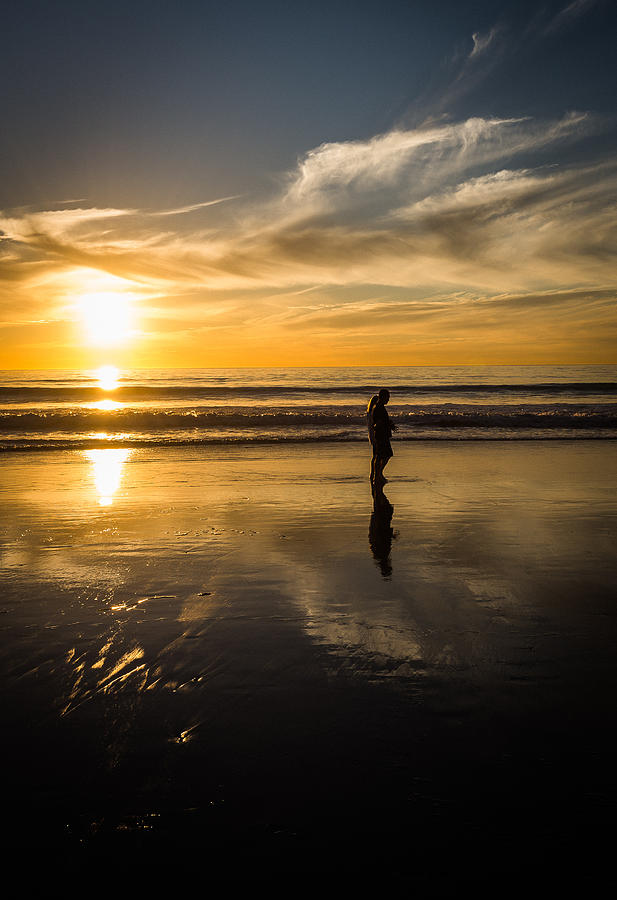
143, 407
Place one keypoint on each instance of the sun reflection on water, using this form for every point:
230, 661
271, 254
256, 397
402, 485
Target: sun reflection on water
108, 377
105, 405
107, 467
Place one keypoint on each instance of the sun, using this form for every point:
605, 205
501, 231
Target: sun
107, 317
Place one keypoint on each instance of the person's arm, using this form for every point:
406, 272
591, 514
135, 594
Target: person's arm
371, 427
380, 422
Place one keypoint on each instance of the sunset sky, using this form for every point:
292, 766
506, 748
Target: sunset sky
273, 183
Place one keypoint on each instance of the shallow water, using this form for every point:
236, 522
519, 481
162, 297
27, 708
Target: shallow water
241, 644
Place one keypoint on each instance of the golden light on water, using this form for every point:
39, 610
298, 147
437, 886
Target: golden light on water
107, 468
105, 405
108, 377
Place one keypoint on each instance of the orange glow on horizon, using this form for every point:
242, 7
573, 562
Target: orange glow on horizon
93, 314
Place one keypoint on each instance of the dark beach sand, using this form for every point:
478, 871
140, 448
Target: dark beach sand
216, 651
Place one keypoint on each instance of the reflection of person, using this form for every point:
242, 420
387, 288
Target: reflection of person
380, 531
380, 428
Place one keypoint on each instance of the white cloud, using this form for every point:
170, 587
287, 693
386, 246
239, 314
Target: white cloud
440, 205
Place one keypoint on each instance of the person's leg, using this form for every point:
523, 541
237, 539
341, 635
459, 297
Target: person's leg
381, 464
373, 464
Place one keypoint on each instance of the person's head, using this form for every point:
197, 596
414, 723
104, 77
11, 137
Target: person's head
384, 396
372, 402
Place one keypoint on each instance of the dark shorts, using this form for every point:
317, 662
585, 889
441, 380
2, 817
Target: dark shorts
382, 449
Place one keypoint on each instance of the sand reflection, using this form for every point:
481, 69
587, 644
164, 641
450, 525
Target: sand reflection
380, 532
107, 468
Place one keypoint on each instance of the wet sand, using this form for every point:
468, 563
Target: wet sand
237, 649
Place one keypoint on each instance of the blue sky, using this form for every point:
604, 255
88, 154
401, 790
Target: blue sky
419, 171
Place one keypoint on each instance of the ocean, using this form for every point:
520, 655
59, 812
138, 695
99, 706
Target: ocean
85, 409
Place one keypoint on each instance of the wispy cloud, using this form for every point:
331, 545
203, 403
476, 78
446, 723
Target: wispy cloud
346, 209
473, 218
467, 69
570, 14
482, 41
181, 210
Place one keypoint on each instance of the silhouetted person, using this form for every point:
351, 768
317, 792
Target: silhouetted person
380, 531
380, 428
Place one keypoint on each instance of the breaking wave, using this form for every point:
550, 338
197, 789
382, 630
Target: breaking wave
135, 428
194, 407
516, 417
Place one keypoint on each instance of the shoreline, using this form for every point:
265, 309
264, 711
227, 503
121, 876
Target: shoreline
230, 442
